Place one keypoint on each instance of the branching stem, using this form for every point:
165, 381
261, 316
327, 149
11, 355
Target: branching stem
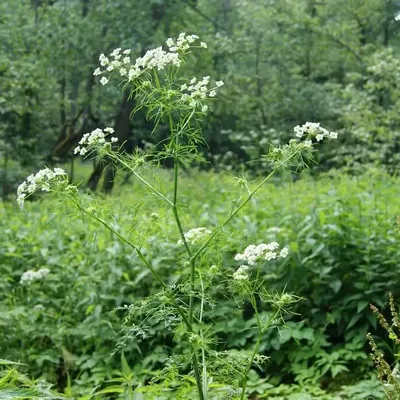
240, 207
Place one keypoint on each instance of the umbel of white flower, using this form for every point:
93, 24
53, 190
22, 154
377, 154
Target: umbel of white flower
313, 130
44, 180
195, 235
241, 273
263, 251
158, 59
198, 90
94, 138
31, 276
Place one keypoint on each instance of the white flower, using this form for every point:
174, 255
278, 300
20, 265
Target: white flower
97, 71
204, 109
30, 276
153, 59
253, 253
241, 273
219, 83
197, 91
270, 255
103, 60
194, 235
308, 143
94, 138
284, 252
43, 180
21, 198
274, 229
324, 132
298, 131
313, 130
204, 45
115, 52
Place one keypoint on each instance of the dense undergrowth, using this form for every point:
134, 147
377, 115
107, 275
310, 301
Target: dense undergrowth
67, 328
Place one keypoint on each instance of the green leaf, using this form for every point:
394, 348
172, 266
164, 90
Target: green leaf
124, 365
111, 389
354, 319
361, 305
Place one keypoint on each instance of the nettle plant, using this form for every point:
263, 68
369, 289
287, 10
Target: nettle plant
160, 87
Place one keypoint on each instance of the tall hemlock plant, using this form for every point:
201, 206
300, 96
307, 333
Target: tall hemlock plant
160, 88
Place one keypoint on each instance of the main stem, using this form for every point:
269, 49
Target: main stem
163, 284
182, 234
261, 330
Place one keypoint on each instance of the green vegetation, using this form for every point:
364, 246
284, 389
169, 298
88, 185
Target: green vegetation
66, 327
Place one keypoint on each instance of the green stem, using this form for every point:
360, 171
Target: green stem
239, 208
261, 330
182, 234
142, 258
158, 193
163, 284
203, 355
197, 375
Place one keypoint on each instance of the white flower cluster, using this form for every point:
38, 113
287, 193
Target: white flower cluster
95, 137
157, 58
30, 276
42, 180
194, 235
241, 273
119, 61
274, 229
253, 253
313, 130
183, 42
198, 90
